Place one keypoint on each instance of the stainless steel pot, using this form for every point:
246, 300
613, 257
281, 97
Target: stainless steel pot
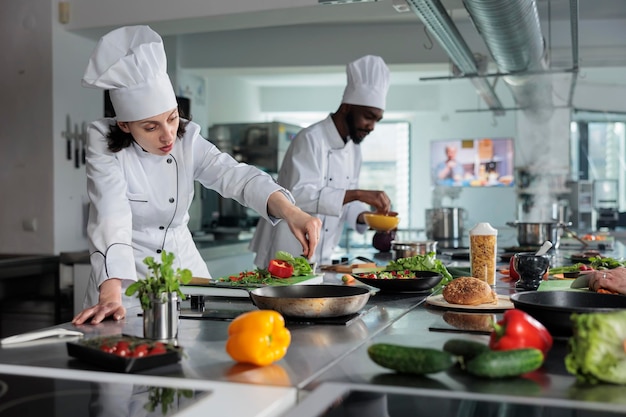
534, 234
311, 301
444, 223
408, 249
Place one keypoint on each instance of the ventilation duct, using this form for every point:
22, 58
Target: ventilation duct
439, 23
512, 32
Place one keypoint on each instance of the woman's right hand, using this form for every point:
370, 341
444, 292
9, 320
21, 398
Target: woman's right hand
109, 304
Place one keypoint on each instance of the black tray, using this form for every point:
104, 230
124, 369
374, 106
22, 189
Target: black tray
88, 350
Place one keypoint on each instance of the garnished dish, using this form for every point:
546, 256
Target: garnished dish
400, 281
417, 273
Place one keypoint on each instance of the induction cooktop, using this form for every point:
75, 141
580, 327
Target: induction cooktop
347, 400
25, 396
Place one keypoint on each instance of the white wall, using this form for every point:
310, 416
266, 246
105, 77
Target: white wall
26, 165
44, 61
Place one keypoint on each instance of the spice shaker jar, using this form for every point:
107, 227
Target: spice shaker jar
483, 252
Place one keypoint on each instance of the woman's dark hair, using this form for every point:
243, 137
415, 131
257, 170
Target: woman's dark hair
117, 139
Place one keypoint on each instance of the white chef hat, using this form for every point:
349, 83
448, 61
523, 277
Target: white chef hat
130, 62
368, 82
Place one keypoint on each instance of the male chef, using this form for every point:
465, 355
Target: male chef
321, 167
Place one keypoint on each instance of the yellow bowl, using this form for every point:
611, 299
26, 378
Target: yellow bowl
381, 222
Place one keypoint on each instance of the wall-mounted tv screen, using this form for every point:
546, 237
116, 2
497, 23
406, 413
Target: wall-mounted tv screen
480, 162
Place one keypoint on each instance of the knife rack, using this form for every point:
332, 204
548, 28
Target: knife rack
75, 142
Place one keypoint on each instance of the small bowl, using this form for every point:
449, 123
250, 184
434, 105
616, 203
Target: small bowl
381, 222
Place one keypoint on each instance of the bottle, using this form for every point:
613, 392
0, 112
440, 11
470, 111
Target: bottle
483, 252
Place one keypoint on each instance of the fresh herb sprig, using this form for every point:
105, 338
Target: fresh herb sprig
161, 279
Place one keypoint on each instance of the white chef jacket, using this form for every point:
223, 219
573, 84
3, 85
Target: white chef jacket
318, 168
140, 202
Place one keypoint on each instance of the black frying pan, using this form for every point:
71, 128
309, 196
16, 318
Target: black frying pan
311, 301
554, 308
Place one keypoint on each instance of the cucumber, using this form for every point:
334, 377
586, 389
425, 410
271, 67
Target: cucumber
505, 363
411, 360
467, 349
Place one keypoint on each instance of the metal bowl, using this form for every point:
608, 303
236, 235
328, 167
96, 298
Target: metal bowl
554, 308
408, 249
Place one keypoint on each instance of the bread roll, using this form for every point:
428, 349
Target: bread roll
469, 291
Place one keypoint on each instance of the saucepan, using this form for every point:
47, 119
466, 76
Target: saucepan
535, 233
311, 301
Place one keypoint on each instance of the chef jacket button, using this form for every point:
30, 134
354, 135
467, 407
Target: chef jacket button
169, 160
161, 227
171, 199
158, 250
330, 179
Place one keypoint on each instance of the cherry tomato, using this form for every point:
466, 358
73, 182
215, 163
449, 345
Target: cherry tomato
157, 350
122, 348
140, 351
107, 348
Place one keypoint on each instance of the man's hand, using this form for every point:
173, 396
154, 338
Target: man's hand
378, 199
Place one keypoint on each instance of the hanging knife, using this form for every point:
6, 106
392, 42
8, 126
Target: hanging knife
68, 136
76, 146
83, 141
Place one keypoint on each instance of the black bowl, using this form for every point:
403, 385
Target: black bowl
554, 308
424, 281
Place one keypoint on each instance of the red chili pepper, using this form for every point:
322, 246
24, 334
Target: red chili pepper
518, 330
280, 268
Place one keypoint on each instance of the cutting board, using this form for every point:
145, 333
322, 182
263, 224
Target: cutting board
209, 282
211, 287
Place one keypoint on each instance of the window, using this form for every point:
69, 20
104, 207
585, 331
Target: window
385, 167
599, 151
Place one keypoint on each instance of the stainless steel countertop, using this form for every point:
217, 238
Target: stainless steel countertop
337, 353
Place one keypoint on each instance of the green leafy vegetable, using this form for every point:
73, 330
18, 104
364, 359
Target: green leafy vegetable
161, 279
600, 262
426, 262
301, 265
597, 348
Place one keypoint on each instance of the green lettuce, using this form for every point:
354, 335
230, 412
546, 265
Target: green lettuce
596, 350
427, 262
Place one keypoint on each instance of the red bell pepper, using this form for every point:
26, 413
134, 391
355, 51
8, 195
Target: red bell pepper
518, 330
280, 268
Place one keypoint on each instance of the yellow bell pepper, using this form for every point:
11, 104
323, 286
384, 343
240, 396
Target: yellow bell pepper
258, 337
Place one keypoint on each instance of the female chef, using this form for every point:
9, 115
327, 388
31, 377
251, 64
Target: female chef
322, 165
141, 167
